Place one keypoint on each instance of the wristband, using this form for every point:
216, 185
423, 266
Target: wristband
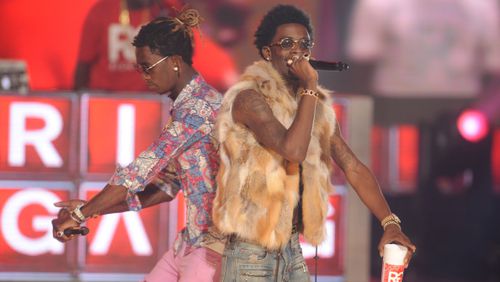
77, 214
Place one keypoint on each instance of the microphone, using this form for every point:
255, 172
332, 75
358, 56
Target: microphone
329, 66
78, 231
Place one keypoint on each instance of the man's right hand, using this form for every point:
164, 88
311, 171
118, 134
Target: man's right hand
64, 220
303, 70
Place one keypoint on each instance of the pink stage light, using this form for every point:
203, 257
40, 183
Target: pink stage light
472, 125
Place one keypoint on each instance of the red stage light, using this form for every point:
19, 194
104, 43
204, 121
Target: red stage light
472, 125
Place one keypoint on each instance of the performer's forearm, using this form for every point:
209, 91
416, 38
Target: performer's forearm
298, 136
149, 197
118, 208
368, 190
359, 176
153, 196
110, 199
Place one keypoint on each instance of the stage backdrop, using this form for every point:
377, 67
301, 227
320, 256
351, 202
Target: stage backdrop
56, 146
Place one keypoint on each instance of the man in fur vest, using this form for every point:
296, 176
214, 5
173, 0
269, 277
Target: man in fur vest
278, 135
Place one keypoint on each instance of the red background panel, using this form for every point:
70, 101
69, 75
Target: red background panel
377, 162
403, 142
495, 156
35, 207
408, 157
102, 130
62, 143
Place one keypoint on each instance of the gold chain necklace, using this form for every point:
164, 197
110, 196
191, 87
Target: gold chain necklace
124, 17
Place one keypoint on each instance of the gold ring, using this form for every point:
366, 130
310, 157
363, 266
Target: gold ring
292, 60
59, 234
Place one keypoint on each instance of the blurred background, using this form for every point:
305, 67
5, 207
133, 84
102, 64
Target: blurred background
420, 105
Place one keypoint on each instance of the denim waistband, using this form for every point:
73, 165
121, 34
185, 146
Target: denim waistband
233, 238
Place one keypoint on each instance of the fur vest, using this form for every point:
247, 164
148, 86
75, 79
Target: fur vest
257, 188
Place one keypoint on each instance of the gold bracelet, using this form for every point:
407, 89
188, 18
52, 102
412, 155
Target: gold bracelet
391, 222
391, 217
309, 92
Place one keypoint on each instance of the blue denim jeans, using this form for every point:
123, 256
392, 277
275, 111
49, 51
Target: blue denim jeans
243, 261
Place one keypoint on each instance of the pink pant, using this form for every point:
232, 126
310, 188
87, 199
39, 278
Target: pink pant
200, 264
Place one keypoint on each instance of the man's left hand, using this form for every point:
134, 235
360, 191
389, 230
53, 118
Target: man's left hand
393, 234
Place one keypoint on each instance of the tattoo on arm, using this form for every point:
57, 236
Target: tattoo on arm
249, 106
251, 109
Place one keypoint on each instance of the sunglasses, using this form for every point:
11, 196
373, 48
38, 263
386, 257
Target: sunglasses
288, 43
147, 69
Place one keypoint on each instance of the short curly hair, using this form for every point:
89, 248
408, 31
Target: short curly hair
279, 15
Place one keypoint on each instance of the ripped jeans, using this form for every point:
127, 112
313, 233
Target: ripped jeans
243, 261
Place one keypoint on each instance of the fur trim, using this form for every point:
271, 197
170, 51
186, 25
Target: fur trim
258, 189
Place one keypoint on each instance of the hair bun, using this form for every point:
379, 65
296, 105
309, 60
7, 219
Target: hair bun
190, 17
187, 19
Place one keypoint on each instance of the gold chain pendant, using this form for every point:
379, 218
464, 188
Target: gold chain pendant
124, 18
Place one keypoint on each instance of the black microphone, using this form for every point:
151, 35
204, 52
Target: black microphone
78, 231
329, 66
